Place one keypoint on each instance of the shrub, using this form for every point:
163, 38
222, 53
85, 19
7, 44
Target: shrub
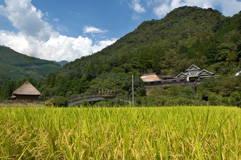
60, 102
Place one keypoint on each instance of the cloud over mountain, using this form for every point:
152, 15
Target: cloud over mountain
32, 34
35, 36
161, 7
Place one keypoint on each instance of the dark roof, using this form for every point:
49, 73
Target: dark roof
191, 72
193, 67
180, 74
27, 89
205, 71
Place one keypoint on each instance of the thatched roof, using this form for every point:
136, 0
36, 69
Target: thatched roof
27, 89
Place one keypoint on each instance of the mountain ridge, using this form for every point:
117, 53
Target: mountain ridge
16, 66
187, 35
160, 33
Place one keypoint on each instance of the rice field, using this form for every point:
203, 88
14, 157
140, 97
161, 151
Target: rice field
120, 133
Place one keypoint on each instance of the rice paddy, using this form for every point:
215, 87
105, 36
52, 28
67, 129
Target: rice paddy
120, 133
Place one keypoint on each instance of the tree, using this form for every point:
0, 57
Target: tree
7, 89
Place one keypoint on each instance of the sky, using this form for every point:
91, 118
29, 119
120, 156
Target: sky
69, 29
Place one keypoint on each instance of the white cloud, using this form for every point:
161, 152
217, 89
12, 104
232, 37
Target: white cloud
102, 44
37, 38
2, 11
56, 20
137, 6
27, 19
11, 39
57, 47
162, 7
135, 16
91, 29
230, 7
62, 29
138, 9
162, 10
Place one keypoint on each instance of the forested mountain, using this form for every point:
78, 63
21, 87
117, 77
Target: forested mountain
16, 66
185, 36
62, 63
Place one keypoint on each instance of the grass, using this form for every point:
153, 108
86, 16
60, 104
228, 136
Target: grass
120, 133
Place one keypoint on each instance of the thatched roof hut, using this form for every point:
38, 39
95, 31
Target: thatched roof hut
26, 92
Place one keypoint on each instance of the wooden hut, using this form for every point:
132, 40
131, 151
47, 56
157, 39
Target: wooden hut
26, 92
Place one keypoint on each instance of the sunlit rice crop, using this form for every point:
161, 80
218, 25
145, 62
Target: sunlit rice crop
120, 133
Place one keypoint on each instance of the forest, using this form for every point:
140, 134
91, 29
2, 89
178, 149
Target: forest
185, 36
17, 66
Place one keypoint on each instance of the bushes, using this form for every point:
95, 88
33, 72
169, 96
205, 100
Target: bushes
168, 96
221, 91
235, 99
57, 101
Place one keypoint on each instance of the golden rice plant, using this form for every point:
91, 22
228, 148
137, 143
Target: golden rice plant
120, 133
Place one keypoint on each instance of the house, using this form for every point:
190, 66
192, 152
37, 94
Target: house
194, 73
26, 92
192, 76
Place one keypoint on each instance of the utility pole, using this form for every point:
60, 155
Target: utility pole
133, 96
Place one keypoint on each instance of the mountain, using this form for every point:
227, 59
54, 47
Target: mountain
185, 36
62, 63
16, 66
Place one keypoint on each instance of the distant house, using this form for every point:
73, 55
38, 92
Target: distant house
26, 92
150, 77
195, 74
191, 77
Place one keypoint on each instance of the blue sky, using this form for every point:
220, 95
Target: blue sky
69, 29
74, 15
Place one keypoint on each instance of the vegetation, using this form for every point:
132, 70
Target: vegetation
9, 87
187, 35
221, 91
16, 66
120, 133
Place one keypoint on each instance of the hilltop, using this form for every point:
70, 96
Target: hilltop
166, 46
185, 36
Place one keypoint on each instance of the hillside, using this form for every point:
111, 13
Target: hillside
185, 36
16, 66
180, 35
62, 63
